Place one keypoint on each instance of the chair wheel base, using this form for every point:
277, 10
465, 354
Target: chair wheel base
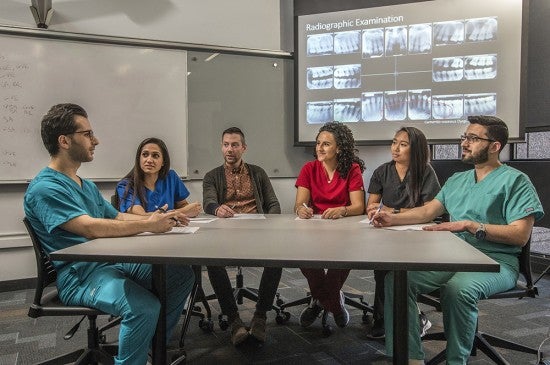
327, 330
282, 317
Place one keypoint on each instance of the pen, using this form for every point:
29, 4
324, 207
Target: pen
305, 205
162, 210
377, 210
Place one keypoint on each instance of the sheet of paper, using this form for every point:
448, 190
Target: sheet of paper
175, 230
408, 227
366, 220
203, 219
315, 216
248, 216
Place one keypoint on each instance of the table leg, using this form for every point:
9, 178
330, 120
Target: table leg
400, 318
159, 339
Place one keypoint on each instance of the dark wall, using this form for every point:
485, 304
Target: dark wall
538, 172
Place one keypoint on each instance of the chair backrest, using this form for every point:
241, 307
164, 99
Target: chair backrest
115, 202
45, 270
525, 264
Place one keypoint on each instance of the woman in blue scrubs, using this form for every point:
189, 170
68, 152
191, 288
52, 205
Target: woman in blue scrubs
151, 184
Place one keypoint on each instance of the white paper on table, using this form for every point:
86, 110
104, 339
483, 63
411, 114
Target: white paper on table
248, 216
202, 219
366, 220
408, 227
175, 230
315, 216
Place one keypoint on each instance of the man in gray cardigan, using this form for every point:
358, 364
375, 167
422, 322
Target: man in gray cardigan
238, 187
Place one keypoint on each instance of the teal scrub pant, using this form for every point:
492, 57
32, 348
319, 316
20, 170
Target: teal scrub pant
124, 290
459, 294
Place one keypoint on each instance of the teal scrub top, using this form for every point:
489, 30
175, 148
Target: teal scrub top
503, 196
52, 199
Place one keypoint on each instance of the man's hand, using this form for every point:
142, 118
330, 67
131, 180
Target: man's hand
161, 222
224, 211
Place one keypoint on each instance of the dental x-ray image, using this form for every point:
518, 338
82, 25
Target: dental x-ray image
424, 63
373, 43
320, 44
372, 106
395, 105
480, 104
420, 38
447, 106
481, 29
347, 76
420, 104
319, 77
446, 33
319, 112
396, 41
480, 67
447, 69
347, 110
347, 42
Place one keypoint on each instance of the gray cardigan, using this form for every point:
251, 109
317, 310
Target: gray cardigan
214, 189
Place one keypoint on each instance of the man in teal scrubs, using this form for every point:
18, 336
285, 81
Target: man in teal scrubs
66, 210
493, 207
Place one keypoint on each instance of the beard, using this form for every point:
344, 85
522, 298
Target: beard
80, 154
477, 158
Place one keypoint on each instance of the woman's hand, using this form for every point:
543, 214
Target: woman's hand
334, 213
304, 212
191, 209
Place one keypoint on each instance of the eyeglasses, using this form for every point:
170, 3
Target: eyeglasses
87, 133
474, 139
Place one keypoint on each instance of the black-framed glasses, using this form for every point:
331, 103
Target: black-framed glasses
87, 133
472, 138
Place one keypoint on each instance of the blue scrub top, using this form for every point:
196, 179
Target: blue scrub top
169, 190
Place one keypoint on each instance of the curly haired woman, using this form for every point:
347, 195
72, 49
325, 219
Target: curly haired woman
331, 186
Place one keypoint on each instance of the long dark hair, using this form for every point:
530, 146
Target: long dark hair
135, 178
420, 156
346, 146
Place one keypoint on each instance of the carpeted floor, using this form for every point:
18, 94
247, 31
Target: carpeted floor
25, 341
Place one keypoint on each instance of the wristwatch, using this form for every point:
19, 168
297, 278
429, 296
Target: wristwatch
481, 232
396, 210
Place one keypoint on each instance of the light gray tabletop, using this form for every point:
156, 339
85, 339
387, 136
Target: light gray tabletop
282, 241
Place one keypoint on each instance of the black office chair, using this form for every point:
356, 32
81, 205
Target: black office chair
47, 303
354, 300
484, 341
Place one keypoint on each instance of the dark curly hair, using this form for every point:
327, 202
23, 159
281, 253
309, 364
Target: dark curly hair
346, 146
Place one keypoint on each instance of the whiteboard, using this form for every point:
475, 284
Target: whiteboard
252, 93
130, 93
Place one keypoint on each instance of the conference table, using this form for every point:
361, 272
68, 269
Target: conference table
284, 241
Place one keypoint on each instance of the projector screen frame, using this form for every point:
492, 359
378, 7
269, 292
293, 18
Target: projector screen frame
517, 124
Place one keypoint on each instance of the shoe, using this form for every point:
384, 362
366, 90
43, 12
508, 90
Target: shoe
257, 327
377, 331
311, 313
341, 318
425, 324
238, 332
